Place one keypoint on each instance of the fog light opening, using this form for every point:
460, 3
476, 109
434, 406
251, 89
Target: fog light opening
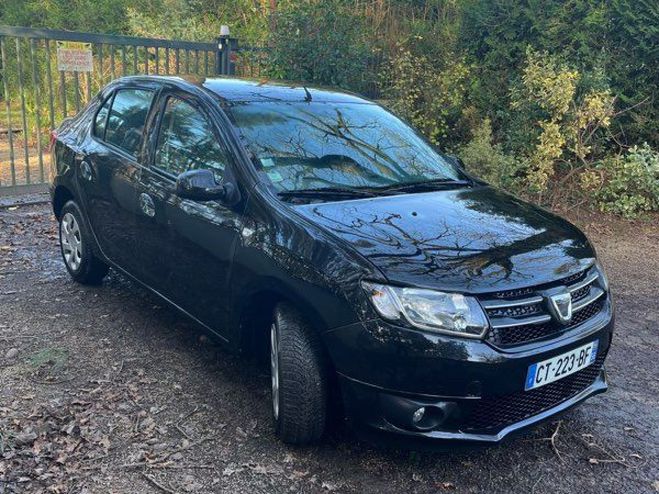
418, 415
427, 417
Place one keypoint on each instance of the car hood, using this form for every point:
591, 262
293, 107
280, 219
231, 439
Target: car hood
473, 240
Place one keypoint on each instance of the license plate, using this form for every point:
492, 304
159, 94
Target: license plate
558, 367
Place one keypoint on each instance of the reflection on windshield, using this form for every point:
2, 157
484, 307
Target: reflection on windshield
302, 146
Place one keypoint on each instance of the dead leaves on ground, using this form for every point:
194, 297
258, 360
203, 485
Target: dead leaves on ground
52, 444
58, 446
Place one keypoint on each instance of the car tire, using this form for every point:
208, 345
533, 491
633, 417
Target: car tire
299, 378
77, 248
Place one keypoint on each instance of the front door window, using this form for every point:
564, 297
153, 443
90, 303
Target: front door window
187, 142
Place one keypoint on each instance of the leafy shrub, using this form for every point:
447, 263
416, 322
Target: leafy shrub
562, 118
488, 161
320, 42
632, 66
617, 34
198, 20
428, 94
625, 185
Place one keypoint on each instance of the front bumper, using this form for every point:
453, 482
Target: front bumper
474, 391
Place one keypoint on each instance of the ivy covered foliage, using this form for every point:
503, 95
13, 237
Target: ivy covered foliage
557, 100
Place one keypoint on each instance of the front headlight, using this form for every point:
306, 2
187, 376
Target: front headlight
440, 312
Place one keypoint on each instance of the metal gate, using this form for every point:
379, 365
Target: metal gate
48, 75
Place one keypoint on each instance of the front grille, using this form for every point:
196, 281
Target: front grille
586, 313
523, 292
522, 310
521, 316
507, 294
517, 335
501, 411
573, 278
580, 293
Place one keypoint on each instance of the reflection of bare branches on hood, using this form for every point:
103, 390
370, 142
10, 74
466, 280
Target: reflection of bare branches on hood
399, 239
433, 257
500, 254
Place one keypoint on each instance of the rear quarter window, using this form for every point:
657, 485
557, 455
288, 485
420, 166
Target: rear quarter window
101, 119
125, 124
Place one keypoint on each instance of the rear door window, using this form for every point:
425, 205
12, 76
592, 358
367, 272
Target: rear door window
125, 125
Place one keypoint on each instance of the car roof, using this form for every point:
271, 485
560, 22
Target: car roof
234, 89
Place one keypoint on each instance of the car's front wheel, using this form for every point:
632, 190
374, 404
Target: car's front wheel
299, 378
76, 246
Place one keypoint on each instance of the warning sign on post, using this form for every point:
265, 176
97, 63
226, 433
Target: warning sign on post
74, 57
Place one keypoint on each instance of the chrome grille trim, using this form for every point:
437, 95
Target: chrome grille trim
595, 293
587, 281
504, 304
509, 322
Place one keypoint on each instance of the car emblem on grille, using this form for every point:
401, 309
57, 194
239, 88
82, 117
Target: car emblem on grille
560, 304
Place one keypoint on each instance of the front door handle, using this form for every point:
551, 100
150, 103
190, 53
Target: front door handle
146, 205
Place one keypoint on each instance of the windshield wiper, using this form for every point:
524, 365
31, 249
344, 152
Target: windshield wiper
327, 191
423, 186
374, 191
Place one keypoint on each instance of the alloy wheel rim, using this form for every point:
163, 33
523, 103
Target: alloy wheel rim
71, 241
274, 369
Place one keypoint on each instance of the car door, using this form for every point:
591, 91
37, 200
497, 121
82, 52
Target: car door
189, 244
108, 170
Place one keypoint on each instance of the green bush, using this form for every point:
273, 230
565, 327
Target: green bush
626, 185
488, 161
198, 20
320, 42
564, 120
619, 35
428, 93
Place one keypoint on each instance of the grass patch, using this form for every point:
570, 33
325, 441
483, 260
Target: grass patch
53, 359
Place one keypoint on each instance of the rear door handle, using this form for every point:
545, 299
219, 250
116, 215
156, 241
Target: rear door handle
146, 205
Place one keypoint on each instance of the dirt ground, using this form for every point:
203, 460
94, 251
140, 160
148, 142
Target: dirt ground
105, 390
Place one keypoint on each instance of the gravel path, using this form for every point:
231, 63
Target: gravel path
105, 390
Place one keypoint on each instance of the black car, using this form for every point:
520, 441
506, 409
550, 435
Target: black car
317, 228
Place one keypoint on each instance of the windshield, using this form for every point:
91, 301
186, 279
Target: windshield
303, 146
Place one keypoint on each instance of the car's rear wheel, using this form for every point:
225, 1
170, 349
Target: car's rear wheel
77, 248
299, 378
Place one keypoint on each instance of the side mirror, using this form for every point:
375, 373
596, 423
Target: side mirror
199, 185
